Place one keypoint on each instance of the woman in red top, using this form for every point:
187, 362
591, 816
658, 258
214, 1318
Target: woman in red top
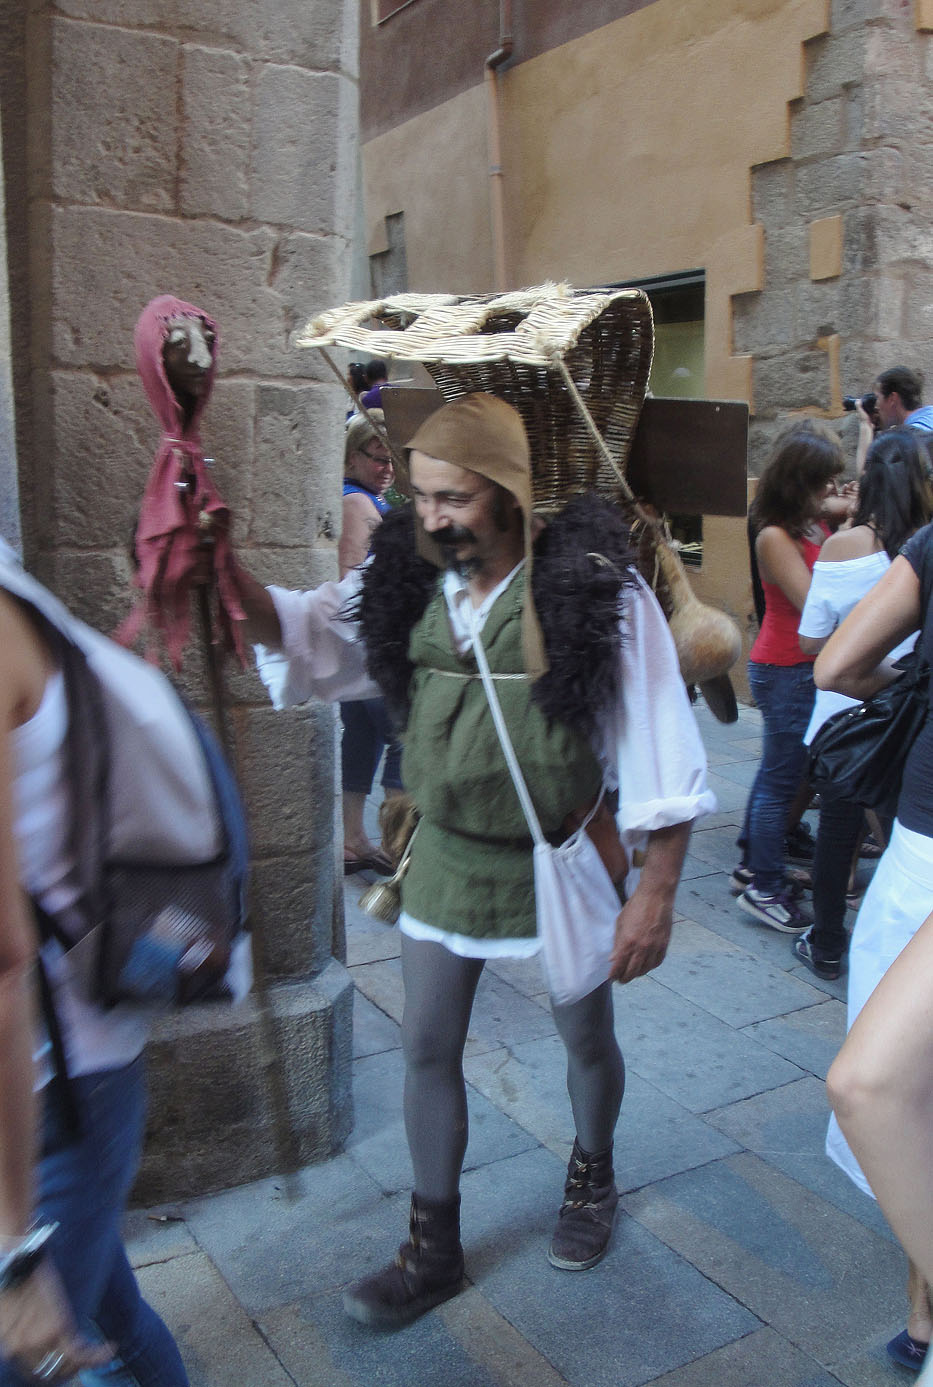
786, 510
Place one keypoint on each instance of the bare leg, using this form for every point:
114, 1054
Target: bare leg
881, 1089
355, 840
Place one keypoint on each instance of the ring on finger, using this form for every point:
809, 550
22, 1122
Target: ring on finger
48, 1366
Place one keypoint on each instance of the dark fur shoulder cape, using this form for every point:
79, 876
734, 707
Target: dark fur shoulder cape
582, 560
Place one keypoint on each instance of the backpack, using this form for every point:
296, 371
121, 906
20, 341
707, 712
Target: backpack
158, 828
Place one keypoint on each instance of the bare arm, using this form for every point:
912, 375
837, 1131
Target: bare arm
262, 620
643, 929
781, 562
851, 662
360, 518
866, 436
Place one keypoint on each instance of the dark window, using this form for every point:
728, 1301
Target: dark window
678, 304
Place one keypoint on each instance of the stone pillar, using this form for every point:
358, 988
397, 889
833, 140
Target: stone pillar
847, 220
215, 161
9, 489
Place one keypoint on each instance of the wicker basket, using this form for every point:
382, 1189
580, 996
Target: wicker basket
515, 346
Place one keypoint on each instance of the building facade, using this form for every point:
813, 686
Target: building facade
763, 167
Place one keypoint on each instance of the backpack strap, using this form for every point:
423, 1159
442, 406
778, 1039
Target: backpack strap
60, 1081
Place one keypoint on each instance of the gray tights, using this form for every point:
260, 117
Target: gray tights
439, 992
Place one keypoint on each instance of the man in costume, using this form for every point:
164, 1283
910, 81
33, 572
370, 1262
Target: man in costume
588, 701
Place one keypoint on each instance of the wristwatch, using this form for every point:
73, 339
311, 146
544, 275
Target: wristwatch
19, 1264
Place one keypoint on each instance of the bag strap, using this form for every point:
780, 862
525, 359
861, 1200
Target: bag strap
515, 770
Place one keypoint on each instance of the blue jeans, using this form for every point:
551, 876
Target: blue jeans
784, 695
84, 1185
366, 730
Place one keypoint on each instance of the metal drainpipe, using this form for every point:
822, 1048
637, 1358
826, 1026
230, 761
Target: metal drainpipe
494, 143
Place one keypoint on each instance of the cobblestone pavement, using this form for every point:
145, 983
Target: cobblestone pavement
741, 1256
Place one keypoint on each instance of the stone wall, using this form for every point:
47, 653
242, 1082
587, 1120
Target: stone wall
847, 225
208, 152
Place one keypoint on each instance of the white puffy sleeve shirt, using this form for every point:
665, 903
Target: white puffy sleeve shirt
649, 743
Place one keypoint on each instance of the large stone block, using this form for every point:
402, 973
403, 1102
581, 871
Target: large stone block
836, 63
885, 236
792, 381
217, 97
211, 1111
299, 461
829, 185
107, 265
787, 255
94, 586
818, 128
321, 35
303, 165
762, 322
310, 273
122, 151
293, 907
773, 194
98, 466
815, 310
287, 773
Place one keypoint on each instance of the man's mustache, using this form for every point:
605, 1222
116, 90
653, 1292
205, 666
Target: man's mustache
454, 535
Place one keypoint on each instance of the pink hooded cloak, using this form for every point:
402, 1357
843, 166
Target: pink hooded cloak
170, 536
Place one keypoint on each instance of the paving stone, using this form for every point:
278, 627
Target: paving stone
318, 1343
811, 1037
373, 1031
512, 1209
690, 1055
501, 1015
272, 1248
739, 773
378, 1141
760, 1357
729, 796
789, 1257
787, 1128
715, 846
156, 1235
526, 975
218, 1343
728, 982
708, 900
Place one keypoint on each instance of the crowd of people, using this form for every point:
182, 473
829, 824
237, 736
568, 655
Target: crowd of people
847, 578
431, 589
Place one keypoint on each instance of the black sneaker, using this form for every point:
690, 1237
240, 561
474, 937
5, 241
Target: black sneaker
796, 880
798, 844
828, 968
777, 909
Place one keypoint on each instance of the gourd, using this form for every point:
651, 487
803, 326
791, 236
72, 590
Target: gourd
708, 641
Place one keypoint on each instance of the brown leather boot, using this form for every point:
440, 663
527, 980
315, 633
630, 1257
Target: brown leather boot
427, 1270
584, 1224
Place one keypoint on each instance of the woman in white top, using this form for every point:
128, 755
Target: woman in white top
894, 501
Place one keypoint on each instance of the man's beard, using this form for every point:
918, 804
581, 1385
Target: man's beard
448, 541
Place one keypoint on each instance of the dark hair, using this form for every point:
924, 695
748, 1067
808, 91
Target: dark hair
907, 383
376, 370
357, 373
894, 495
805, 458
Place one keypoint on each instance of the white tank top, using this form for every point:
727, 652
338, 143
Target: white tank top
94, 1038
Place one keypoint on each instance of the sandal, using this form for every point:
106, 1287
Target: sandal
373, 862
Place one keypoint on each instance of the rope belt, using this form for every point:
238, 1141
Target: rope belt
457, 674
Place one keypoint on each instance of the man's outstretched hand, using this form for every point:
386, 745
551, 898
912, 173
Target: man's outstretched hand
643, 929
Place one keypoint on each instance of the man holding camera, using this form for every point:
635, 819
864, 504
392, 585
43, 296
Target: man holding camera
895, 403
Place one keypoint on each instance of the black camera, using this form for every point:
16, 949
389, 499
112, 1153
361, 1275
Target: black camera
868, 402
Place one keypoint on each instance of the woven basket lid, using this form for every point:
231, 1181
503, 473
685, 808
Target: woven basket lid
511, 345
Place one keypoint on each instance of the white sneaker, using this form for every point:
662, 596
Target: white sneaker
778, 910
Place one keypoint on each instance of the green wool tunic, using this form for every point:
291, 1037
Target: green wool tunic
471, 869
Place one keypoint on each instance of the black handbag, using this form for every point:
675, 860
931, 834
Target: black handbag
859, 754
